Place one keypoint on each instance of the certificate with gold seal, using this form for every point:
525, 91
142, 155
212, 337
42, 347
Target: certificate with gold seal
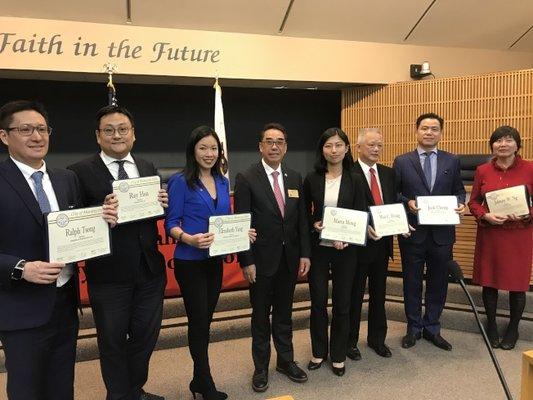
76, 235
389, 219
511, 200
231, 233
138, 198
344, 225
437, 210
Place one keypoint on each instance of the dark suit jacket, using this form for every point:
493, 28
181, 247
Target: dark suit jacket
254, 194
351, 196
130, 240
410, 182
22, 237
386, 179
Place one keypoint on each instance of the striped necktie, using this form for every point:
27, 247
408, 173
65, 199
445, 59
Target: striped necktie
42, 198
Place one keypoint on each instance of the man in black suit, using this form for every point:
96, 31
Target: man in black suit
38, 299
126, 290
373, 259
273, 194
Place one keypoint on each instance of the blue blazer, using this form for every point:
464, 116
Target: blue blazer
190, 209
410, 182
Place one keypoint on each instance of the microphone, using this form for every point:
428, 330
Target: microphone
455, 272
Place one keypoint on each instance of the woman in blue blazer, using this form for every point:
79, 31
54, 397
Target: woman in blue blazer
195, 194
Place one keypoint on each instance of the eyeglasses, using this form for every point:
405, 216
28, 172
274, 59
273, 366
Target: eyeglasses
27, 129
271, 143
110, 131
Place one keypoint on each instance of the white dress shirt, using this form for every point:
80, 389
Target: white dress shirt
269, 170
366, 170
112, 166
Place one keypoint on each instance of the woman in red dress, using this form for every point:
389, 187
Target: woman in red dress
504, 250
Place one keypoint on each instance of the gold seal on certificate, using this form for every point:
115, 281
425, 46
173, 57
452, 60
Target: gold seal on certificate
138, 198
389, 219
437, 210
231, 233
76, 235
344, 225
512, 200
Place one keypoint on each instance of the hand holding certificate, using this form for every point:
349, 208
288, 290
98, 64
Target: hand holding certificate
231, 233
75, 235
344, 225
138, 198
437, 210
389, 219
508, 201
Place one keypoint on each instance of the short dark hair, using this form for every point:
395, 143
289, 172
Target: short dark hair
321, 165
430, 116
13, 107
107, 110
505, 131
272, 125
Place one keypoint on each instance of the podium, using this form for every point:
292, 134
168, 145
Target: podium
527, 376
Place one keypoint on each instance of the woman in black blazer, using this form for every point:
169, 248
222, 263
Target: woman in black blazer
332, 183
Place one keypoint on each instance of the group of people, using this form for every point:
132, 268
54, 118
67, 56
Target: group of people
39, 299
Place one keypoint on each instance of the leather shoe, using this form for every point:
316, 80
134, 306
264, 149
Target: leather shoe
339, 371
293, 371
149, 396
437, 340
509, 339
354, 353
381, 350
313, 365
493, 336
409, 340
260, 380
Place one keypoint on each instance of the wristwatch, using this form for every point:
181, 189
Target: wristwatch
16, 275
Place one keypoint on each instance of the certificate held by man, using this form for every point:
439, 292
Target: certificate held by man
231, 233
389, 219
138, 198
437, 210
508, 201
344, 225
76, 235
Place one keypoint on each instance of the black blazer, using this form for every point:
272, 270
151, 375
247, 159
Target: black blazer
386, 179
23, 304
130, 240
351, 195
254, 194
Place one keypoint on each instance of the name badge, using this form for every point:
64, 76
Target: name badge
293, 193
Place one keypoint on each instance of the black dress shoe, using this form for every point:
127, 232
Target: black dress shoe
293, 371
409, 340
313, 365
509, 339
339, 371
150, 396
437, 340
260, 380
381, 349
353, 353
492, 334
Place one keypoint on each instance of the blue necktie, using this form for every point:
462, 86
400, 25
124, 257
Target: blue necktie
42, 198
427, 169
122, 174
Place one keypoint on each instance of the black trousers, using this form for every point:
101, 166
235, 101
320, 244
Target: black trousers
128, 318
342, 264
274, 293
200, 282
40, 361
374, 268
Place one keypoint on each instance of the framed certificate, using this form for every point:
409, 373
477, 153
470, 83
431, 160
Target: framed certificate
76, 235
512, 200
437, 210
138, 198
389, 219
344, 225
231, 233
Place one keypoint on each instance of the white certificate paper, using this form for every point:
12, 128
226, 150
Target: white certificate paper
137, 198
76, 235
231, 233
344, 225
512, 200
437, 210
389, 219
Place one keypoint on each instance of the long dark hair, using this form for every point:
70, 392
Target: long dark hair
192, 171
321, 165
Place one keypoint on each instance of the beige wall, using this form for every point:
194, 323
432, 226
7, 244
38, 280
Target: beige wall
242, 56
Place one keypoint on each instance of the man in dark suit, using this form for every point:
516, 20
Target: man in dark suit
38, 299
273, 194
126, 289
373, 259
424, 172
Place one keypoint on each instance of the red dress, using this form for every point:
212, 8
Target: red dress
503, 255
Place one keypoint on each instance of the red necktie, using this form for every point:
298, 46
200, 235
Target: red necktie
277, 193
374, 188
